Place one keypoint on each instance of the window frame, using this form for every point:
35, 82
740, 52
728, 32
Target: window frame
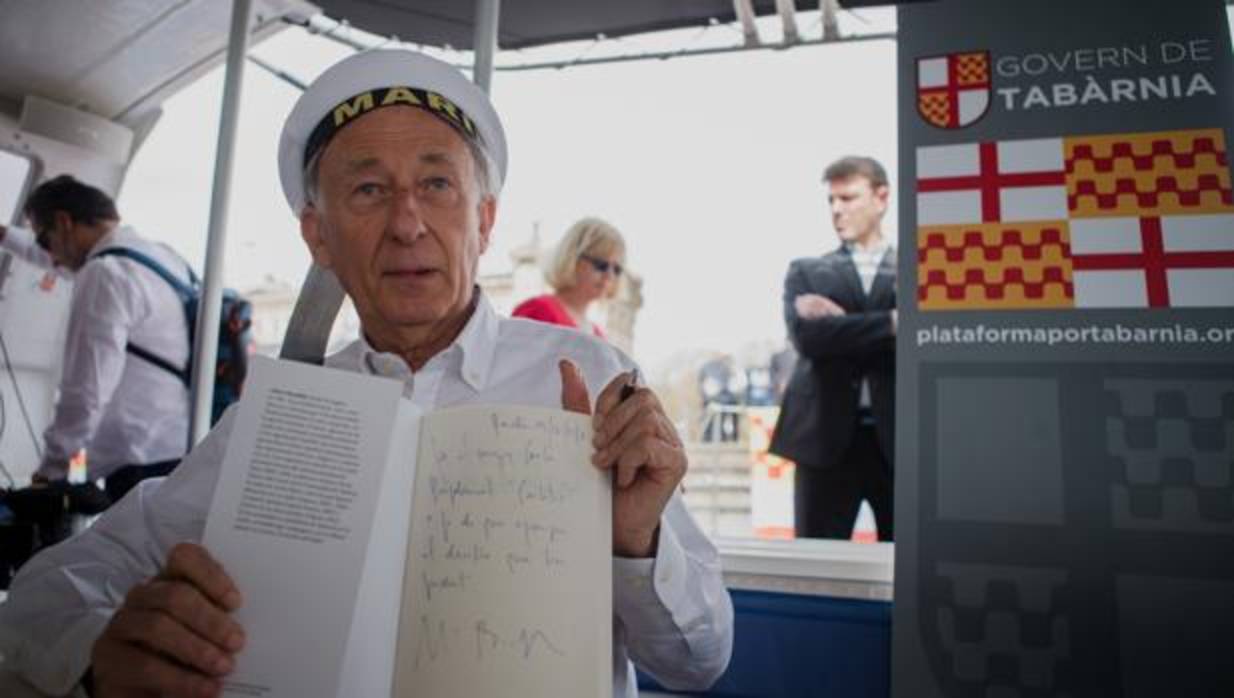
32, 176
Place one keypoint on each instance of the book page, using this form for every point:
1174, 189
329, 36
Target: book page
368, 665
292, 514
508, 585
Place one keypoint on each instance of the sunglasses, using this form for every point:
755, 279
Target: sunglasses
602, 265
42, 238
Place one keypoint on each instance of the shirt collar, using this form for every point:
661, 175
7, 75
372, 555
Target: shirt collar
477, 343
875, 252
118, 234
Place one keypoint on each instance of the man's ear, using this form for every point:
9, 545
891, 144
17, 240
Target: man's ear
882, 193
312, 232
488, 216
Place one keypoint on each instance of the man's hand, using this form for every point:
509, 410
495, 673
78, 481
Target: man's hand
634, 438
173, 636
811, 306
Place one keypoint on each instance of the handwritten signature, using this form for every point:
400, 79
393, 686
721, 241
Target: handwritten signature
523, 645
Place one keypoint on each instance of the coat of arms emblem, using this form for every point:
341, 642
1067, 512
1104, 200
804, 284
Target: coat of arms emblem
953, 91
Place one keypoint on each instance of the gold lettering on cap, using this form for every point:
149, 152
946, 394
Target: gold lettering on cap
438, 103
468, 125
349, 110
396, 95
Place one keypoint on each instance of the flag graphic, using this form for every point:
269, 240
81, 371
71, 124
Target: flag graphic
1155, 262
953, 91
1139, 220
991, 182
1148, 174
993, 265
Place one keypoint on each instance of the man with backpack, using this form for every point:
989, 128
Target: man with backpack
123, 398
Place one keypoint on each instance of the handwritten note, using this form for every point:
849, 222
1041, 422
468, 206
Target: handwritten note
507, 590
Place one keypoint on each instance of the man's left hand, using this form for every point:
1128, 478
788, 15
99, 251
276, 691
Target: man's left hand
634, 438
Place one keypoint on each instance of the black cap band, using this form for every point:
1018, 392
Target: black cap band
358, 105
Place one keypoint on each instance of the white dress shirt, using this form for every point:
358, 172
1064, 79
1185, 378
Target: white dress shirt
671, 613
867, 261
121, 409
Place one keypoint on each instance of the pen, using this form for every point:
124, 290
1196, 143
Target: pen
628, 389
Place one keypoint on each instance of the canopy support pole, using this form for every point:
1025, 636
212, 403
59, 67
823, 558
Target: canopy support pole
788, 17
205, 349
831, 20
485, 42
746, 15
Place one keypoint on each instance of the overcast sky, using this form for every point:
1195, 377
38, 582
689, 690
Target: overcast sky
709, 165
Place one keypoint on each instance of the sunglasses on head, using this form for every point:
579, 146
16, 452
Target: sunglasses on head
602, 265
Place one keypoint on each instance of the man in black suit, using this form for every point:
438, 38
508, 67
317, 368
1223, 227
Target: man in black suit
837, 417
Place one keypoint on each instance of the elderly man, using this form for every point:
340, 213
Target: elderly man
393, 162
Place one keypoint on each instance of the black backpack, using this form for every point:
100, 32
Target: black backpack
235, 333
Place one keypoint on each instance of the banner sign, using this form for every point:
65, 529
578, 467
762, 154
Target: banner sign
1065, 375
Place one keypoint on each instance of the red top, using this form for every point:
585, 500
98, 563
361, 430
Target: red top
548, 308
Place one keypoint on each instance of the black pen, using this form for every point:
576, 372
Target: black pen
631, 385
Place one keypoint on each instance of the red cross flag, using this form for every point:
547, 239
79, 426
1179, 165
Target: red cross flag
1153, 262
991, 182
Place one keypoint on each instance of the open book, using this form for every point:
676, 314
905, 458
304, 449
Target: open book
383, 551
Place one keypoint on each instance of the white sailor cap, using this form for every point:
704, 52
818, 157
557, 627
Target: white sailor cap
373, 79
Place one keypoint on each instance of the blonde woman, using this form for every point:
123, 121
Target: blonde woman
585, 267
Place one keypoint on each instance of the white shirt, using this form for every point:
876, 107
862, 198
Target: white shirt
671, 614
867, 261
121, 409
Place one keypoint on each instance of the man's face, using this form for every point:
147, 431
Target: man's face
857, 207
62, 239
399, 219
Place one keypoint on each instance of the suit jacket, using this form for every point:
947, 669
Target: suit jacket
818, 415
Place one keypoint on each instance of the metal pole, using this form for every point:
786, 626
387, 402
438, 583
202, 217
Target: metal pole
485, 42
278, 73
665, 55
206, 335
746, 15
831, 22
788, 17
